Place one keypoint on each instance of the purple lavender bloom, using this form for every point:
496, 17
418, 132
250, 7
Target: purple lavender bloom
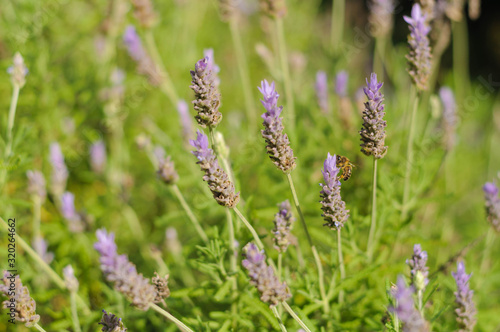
381, 16
449, 120
373, 130
166, 168
341, 80
271, 290
36, 184
322, 90
283, 221
133, 43
417, 263
40, 246
24, 309
98, 156
419, 58
70, 279
492, 204
59, 170
334, 209
186, 120
278, 145
18, 71
207, 99
209, 54
111, 323
405, 308
69, 212
122, 273
218, 181
466, 310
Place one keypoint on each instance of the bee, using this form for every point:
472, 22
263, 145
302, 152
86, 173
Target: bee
346, 166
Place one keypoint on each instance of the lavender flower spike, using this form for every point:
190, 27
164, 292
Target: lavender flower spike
466, 310
218, 181
283, 221
122, 273
278, 145
207, 100
322, 90
111, 323
209, 54
186, 120
334, 211
24, 309
373, 130
341, 80
40, 246
381, 17
59, 170
405, 309
419, 58
69, 212
262, 276
492, 203
166, 168
98, 157
449, 120
18, 71
417, 263
36, 184
70, 279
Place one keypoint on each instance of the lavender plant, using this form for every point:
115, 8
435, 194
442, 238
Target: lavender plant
466, 309
111, 323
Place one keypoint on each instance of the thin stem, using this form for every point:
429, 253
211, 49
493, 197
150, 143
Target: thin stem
74, 312
51, 273
341, 264
167, 315
338, 9
373, 224
232, 247
189, 213
12, 116
259, 243
243, 69
280, 265
379, 56
396, 323
409, 159
166, 86
39, 328
287, 82
420, 307
313, 248
460, 47
133, 221
294, 315
37, 203
490, 238
278, 317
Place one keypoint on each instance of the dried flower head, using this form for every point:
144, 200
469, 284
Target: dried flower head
334, 209
373, 130
405, 309
166, 169
417, 263
70, 279
36, 184
111, 323
218, 181
206, 97
228, 9
75, 222
18, 71
474, 9
466, 309
161, 285
98, 156
271, 290
321, 88
419, 58
492, 204
428, 8
278, 145
122, 273
144, 12
283, 221
273, 8
59, 170
381, 17
19, 302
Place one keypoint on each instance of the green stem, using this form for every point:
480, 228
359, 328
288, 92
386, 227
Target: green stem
177, 322
189, 213
37, 204
313, 247
420, 306
280, 265
256, 238
341, 264
294, 315
490, 238
74, 312
166, 86
244, 74
409, 159
338, 14
51, 273
230, 227
133, 221
12, 116
287, 82
278, 317
460, 59
373, 224
39, 328
379, 56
